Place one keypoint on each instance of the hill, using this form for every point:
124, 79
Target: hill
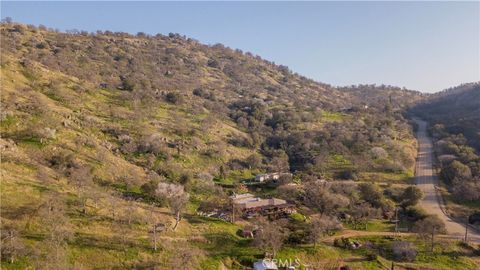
137, 93
457, 108
107, 137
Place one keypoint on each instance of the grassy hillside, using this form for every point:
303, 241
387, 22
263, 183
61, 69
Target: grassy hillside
92, 123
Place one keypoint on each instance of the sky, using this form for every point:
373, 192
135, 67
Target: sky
425, 46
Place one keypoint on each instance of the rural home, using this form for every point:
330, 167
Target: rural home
250, 205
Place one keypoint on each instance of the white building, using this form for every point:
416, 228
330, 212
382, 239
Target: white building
265, 265
270, 176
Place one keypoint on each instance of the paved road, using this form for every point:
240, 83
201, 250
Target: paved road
426, 180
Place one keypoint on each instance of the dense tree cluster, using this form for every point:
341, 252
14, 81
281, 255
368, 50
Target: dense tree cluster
457, 109
460, 164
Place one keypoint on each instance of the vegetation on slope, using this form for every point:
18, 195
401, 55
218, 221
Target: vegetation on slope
457, 109
94, 124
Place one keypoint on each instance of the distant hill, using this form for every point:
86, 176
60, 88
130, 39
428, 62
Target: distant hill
184, 94
457, 108
382, 95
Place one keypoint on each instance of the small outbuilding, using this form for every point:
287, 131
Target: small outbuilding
270, 176
265, 265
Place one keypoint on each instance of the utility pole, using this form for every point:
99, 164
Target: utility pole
433, 235
154, 221
233, 212
466, 229
396, 220
154, 236
395, 234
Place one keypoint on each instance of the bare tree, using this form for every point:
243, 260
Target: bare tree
11, 245
113, 204
81, 178
269, 237
362, 213
253, 161
466, 190
186, 258
43, 175
57, 226
130, 212
96, 196
176, 198
429, 227
404, 251
321, 226
320, 198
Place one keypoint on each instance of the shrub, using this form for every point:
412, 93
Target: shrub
415, 213
247, 260
349, 175
297, 217
127, 84
173, 97
213, 63
466, 190
404, 251
411, 195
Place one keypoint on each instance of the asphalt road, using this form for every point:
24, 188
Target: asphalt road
426, 180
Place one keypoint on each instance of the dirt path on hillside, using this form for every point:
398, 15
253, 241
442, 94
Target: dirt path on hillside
426, 179
355, 233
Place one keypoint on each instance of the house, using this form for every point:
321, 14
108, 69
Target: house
248, 201
251, 206
260, 203
270, 176
265, 265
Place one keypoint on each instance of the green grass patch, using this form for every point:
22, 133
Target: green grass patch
7, 122
375, 225
333, 116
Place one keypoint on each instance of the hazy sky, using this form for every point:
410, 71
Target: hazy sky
426, 46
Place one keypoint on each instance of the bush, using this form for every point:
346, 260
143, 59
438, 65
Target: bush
247, 260
349, 175
174, 98
411, 196
200, 92
127, 84
415, 213
337, 242
213, 63
404, 251
297, 217
297, 237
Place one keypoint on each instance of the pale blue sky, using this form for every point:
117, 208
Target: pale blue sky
426, 46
